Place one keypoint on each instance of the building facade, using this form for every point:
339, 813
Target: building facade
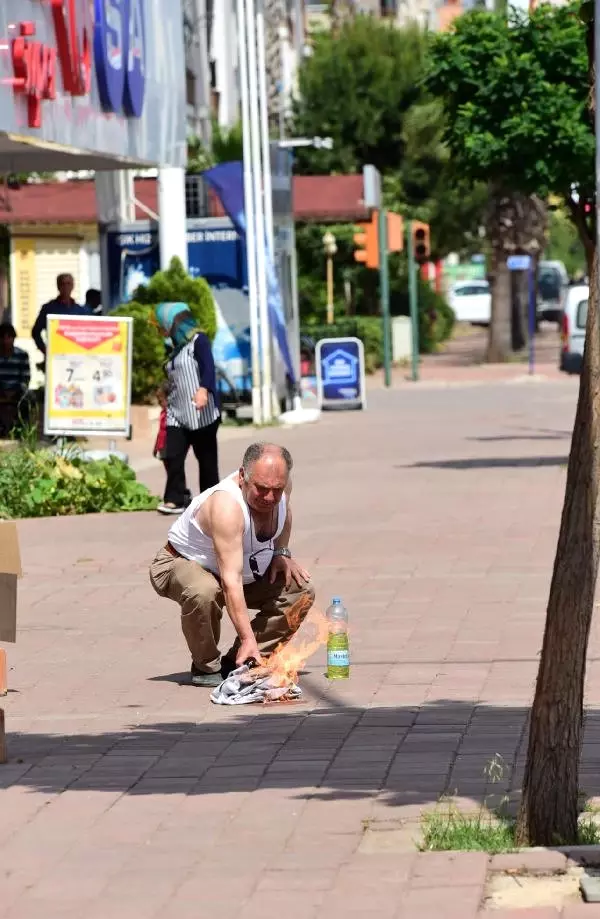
80, 88
284, 46
83, 86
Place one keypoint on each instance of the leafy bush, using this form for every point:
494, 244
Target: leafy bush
171, 286
41, 483
147, 372
176, 286
367, 328
436, 318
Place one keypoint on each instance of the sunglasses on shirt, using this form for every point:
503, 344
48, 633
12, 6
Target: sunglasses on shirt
253, 564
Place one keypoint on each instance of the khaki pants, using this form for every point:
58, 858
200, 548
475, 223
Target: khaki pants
280, 611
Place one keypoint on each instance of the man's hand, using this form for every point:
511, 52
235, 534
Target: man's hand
248, 649
289, 569
200, 399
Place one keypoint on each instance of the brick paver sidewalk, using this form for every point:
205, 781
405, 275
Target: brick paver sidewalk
127, 794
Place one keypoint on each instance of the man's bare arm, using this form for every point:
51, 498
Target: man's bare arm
225, 524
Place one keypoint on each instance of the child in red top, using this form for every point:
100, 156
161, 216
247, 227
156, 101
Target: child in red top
160, 445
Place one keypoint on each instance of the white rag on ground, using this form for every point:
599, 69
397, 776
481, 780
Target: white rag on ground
242, 687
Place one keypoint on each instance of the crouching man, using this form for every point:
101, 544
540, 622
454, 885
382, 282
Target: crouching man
230, 549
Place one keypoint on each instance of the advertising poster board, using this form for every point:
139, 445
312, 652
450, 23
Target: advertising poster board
88, 376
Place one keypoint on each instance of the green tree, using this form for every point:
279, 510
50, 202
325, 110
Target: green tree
364, 88
515, 99
226, 147
357, 88
564, 244
517, 106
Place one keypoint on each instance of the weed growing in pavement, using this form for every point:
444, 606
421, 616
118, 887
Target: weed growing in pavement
447, 829
490, 828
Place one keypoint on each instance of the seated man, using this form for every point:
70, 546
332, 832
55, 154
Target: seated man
15, 374
230, 548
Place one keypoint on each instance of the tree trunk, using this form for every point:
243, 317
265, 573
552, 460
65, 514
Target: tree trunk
499, 342
549, 805
520, 294
515, 224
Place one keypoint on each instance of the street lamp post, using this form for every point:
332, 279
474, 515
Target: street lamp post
330, 247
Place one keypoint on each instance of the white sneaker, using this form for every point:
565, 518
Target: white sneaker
169, 508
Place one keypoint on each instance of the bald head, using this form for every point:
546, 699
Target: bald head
268, 455
264, 475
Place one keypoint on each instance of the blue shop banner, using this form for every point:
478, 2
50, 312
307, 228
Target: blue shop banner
340, 364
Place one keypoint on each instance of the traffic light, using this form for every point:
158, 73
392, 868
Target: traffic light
395, 232
421, 241
367, 243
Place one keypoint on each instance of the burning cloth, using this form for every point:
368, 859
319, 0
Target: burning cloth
246, 685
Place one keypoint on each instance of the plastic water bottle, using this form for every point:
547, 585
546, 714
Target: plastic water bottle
338, 652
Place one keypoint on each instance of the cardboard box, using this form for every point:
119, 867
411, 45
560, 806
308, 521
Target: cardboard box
10, 570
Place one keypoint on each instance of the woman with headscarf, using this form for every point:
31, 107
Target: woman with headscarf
193, 414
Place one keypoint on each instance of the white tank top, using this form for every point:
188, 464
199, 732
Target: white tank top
187, 537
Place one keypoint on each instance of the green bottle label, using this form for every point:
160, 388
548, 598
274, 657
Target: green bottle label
338, 656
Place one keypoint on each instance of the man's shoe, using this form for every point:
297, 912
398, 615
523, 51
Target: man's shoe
200, 678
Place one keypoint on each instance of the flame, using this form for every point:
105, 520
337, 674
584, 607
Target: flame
289, 658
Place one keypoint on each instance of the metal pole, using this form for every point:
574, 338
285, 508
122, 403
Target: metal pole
329, 290
299, 31
267, 175
264, 124
250, 224
532, 305
414, 303
384, 280
257, 176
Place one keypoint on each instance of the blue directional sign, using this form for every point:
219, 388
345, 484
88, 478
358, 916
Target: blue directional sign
340, 364
518, 262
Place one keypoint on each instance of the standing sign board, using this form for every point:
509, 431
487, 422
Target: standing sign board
340, 364
88, 375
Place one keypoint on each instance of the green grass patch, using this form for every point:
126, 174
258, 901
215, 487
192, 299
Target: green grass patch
447, 829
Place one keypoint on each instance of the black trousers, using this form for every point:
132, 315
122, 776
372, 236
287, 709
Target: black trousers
204, 444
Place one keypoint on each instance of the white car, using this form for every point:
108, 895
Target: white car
572, 330
471, 302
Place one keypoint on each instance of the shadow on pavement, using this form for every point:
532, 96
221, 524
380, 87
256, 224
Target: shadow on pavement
492, 462
501, 438
407, 754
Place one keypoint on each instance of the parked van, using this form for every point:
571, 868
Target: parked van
573, 322
552, 287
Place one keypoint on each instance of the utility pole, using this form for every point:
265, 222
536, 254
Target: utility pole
384, 280
414, 304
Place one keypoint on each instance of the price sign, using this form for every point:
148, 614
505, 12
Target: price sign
88, 375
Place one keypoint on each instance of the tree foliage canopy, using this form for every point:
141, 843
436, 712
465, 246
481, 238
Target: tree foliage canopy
515, 94
364, 87
357, 88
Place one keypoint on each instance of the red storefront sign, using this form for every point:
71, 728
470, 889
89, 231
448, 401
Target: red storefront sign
35, 64
34, 67
74, 48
